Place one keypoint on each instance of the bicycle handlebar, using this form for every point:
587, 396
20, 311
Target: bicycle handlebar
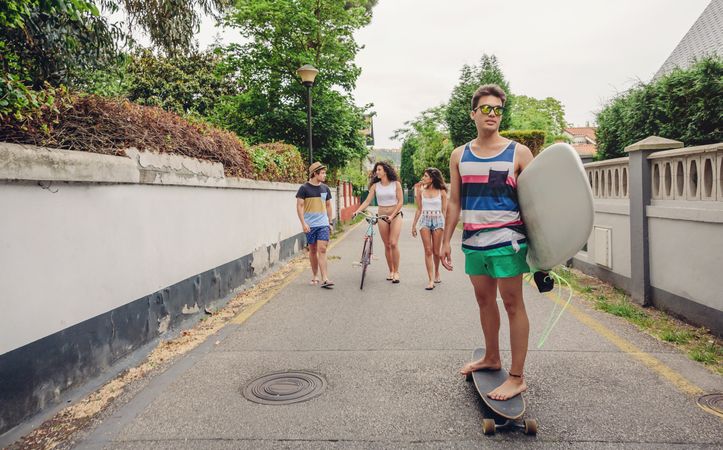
373, 216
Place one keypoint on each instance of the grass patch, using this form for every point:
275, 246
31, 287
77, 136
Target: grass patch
676, 336
623, 308
707, 353
698, 343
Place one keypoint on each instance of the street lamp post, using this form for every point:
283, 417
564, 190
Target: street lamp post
307, 72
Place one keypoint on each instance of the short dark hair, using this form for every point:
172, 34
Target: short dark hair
488, 89
316, 172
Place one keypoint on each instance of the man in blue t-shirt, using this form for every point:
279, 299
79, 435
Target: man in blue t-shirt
313, 206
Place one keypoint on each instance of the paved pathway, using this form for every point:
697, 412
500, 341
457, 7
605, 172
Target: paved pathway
390, 356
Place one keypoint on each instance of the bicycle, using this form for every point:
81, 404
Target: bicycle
366, 256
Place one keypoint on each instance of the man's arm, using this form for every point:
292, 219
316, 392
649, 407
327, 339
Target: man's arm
523, 157
329, 213
451, 217
300, 213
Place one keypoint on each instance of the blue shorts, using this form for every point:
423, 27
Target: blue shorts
431, 221
317, 234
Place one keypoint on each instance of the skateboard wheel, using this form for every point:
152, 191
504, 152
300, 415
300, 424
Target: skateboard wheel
468, 377
530, 426
488, 426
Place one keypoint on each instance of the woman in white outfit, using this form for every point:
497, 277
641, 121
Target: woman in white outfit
387, 189
431, 207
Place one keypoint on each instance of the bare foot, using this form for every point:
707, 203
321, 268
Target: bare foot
482, 364
512, 387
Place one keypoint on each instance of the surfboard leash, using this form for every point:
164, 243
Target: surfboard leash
554, 316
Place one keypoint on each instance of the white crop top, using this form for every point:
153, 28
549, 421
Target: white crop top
432, 203
386, 195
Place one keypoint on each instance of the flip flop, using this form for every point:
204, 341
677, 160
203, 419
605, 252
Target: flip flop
429, 288
437, 281
327, 285
313, 282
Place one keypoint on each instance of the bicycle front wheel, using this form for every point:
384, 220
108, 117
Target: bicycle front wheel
365, 260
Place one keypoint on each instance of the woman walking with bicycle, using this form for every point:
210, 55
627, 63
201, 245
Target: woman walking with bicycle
431, 207
387, 190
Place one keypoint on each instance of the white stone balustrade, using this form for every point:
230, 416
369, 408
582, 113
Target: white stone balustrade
690, 174
608, 179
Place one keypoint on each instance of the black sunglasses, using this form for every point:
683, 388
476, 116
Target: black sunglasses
485, 109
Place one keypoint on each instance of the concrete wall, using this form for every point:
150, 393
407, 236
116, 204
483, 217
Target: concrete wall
87, 240
686, 255
681, 239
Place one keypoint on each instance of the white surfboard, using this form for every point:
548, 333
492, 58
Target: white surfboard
556, 206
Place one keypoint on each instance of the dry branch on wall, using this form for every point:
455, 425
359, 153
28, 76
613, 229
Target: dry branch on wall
107, 126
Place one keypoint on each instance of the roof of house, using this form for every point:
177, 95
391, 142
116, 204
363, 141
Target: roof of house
585, 149
704, 37
588, 132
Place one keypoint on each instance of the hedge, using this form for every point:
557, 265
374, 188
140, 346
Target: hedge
278, 161
685, 105
107, 126
534, 139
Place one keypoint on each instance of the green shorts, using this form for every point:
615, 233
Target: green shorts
499, 263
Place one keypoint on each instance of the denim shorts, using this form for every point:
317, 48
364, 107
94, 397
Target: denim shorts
317, 234
432, 221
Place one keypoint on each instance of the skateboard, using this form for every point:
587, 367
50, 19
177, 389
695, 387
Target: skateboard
507, 413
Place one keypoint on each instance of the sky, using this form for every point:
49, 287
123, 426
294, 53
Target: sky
582, 53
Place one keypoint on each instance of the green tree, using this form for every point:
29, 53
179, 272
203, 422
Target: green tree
427, 144
282, 36
461, 127
48, 42
528, 113
354, 172
55, 43
172, 24
406, 172
195, 83
685, 105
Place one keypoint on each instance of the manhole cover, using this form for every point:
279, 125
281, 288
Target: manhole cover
283, 388
712, 403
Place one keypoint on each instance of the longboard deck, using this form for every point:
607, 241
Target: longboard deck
486, 381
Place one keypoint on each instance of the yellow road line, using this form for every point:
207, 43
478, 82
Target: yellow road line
650, 361
244, 315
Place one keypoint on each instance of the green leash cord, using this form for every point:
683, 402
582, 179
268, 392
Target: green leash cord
554, 315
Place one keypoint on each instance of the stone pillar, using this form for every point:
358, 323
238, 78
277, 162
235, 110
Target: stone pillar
639, 193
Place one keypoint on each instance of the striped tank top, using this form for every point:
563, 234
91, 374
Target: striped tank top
490, 211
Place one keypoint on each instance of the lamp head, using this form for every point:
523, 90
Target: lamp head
307, 72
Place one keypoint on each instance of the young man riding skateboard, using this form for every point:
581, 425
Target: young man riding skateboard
313, 206
483, 182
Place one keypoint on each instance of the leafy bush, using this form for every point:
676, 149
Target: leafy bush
191, 83
277, 161
534, 139
356, 174
685, 105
